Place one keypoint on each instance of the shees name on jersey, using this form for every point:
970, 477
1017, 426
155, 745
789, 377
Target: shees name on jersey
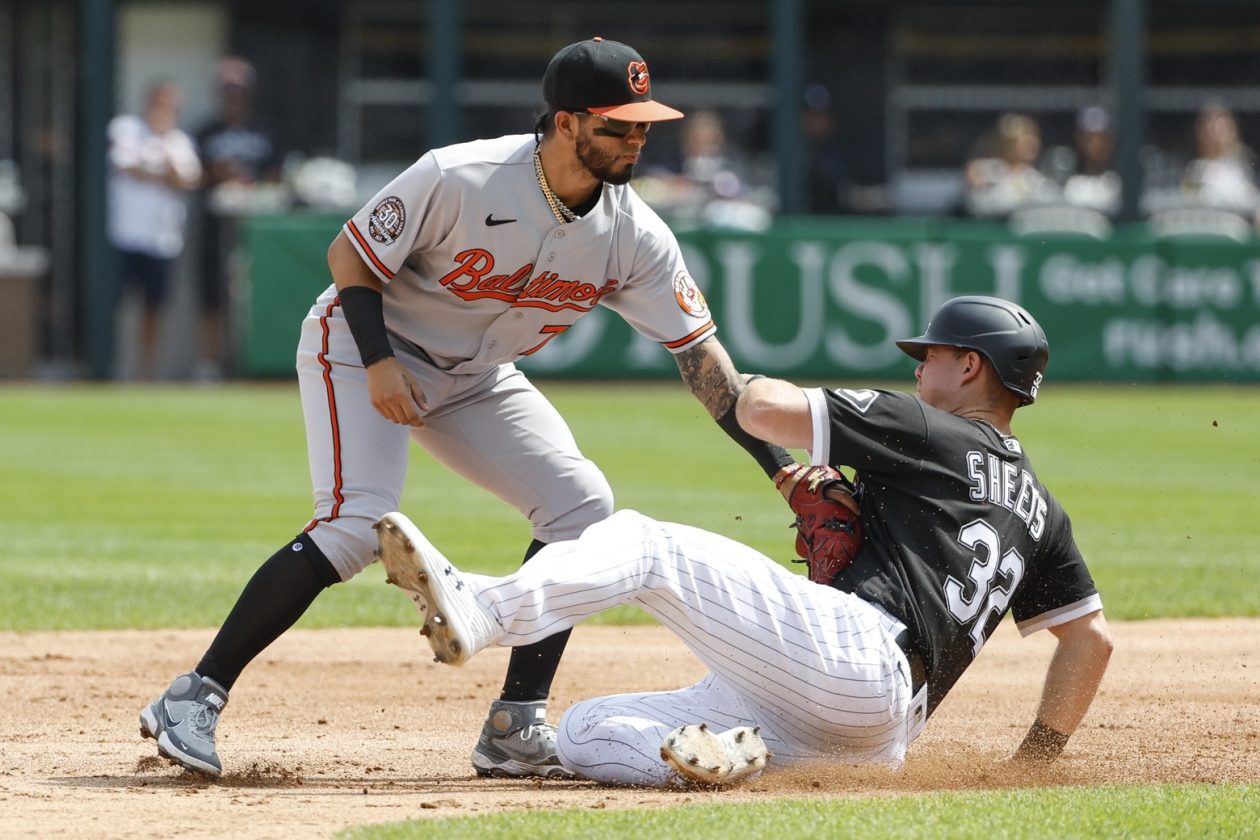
1005, 484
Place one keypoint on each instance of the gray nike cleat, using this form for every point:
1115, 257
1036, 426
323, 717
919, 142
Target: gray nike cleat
517, 741
701, 755
455, 622
182, 721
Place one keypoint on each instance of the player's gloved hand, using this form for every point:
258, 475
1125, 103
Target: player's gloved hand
828, 521
395, 395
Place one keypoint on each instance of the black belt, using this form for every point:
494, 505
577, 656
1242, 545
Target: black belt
918, 673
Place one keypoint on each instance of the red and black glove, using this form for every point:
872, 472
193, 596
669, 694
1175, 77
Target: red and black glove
828, 522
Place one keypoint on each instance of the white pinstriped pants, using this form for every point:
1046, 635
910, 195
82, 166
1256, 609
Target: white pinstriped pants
817, 669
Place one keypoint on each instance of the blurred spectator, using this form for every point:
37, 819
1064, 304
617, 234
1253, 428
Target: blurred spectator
713, 186
1004, 177
152, 165
827, 176
12, 199
1093, 184
12, 196
704, 154
238, 157
1223, 175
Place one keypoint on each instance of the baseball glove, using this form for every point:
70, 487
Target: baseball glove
828, 524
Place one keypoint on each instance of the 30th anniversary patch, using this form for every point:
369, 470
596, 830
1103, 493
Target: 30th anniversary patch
387, 220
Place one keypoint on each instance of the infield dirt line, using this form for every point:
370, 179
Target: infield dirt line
333, 728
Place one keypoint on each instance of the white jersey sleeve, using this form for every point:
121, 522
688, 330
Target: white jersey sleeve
411, 213
659, 298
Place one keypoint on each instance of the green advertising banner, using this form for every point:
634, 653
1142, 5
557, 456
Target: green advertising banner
285, 269
824, 298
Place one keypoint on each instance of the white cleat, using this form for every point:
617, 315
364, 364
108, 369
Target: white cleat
454, 622
701, 755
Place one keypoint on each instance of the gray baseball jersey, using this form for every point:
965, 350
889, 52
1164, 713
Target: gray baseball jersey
478, 272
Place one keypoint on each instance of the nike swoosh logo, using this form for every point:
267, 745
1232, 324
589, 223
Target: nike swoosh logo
491, 221
166, 713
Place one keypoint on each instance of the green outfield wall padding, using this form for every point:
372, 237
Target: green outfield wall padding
285, 269
824, 298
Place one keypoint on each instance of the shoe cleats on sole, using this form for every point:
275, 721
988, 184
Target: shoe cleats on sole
416, 567
701, 755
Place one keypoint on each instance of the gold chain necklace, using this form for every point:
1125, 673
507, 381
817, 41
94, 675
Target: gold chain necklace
562, 213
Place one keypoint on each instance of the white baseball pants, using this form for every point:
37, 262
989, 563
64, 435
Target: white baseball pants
817, 669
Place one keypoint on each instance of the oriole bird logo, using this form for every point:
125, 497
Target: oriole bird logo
640, 81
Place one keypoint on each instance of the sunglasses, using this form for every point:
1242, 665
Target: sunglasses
616, 128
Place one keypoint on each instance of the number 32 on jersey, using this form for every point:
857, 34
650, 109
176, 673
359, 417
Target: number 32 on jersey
991, 580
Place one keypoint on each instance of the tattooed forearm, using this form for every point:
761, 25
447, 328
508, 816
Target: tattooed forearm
711, 376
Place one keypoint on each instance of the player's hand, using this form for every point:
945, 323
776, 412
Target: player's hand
394, 394
836, 493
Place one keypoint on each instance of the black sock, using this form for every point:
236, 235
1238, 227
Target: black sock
275, 597
531, 668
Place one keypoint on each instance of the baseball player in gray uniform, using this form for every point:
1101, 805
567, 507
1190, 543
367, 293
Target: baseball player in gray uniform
958, 531
476, 255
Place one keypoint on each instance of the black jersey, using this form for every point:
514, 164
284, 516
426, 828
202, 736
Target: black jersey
958, 528
248, 149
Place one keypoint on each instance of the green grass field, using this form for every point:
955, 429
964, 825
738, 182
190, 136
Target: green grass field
149, 507
1188, 812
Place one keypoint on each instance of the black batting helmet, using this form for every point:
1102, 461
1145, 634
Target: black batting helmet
1005, 333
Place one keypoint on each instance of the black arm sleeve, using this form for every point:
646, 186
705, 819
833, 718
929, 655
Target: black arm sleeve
769, 456
364, 309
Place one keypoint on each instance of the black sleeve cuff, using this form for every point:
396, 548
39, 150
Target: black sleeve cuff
364, 309
770, 457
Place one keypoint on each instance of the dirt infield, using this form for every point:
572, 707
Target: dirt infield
344, 727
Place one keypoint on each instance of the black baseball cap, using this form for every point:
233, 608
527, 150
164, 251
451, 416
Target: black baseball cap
606, 78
